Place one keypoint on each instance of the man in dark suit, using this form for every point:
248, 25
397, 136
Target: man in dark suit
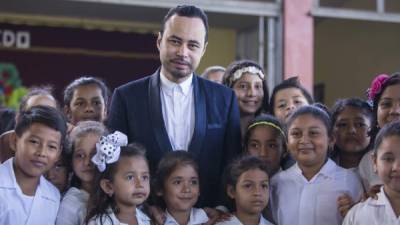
174, 109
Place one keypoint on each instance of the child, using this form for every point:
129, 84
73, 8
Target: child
385, 209
288, 96
121, 184
24, 193
83, 139
86, 98
307, 193
58, 175
247, 185
177, 185
265, 138
35, 96
247, 79
384, 95
351, 121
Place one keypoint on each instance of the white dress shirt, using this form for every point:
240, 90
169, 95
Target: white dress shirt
235, 221
73, 207
296, 200
197, 217
366, 170
372, 212
177, 101
111, 219
17, 208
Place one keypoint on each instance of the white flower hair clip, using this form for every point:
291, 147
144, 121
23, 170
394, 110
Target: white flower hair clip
108, 149
249, 69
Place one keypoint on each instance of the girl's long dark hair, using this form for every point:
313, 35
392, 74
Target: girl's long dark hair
99, 202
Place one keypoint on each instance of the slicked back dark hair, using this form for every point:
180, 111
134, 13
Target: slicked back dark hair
35, 91
390, 129
190, 11
314, 111
292, 82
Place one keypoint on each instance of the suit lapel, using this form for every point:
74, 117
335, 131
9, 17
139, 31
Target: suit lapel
156, 116
200, 117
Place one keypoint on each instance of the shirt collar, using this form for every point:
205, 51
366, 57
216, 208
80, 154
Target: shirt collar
184, 87
326, 170
197, 216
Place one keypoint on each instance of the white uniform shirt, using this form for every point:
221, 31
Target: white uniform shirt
197, 217
235, 221
111, 219
73, 207
366, 170
177, 101
41, 210
295, 200
372, 212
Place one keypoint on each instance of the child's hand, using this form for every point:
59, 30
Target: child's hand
216, 215
372, 192
344, 202
156, 214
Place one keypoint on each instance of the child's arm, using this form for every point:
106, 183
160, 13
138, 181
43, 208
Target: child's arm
216, 215
344, 202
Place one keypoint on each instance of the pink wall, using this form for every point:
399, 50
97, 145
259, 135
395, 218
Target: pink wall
298, 41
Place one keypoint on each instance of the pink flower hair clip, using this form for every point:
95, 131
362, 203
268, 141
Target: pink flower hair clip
376, 86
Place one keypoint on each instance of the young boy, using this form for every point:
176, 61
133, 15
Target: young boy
26, 197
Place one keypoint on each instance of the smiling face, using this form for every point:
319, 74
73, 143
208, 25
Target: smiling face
249, 93
131, 182
87, 103
84, 150
181, 189
286, 101
181, 47
267, 143
37, 149
389, 105
387, 164
351, 130
308, 141
251, 192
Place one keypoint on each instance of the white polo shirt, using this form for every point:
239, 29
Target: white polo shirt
372, 212
197, 217
296, 200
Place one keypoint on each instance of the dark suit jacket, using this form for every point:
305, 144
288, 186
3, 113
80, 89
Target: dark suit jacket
136, 111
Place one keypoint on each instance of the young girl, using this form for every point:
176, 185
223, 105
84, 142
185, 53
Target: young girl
247, 79
384, 94
122, 183
58, 175
385, 209
178, 188
265, 138
351, 121
247, 185
288, 96
307, 193
83, 139
86, 98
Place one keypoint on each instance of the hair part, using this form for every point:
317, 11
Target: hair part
190, 11
85, 81
292, 82
99, 201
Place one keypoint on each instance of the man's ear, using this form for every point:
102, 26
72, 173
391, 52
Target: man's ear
12, 138
159, 38
374, 161
67, 112
107, 187
230, 191
204, 49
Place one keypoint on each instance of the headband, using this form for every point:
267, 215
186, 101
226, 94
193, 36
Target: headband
249, 69
108, 149
267, 124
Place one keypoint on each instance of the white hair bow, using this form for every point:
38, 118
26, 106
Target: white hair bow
108, 149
